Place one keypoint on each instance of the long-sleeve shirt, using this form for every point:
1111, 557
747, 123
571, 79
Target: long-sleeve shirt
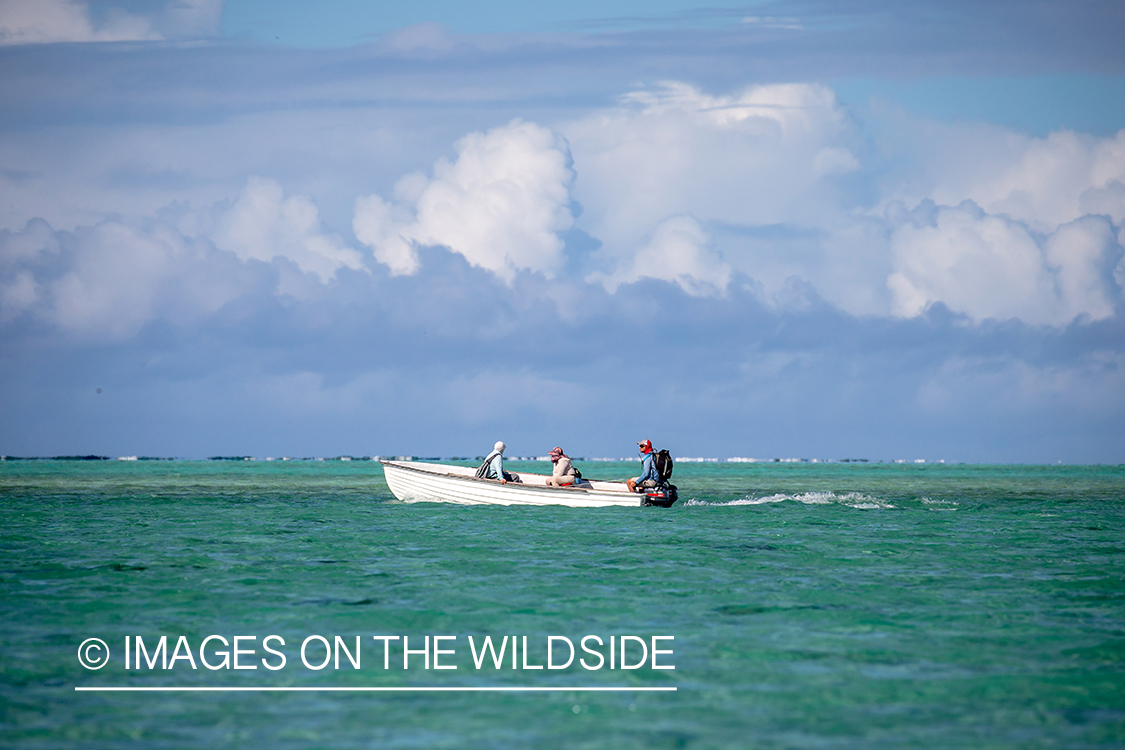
495, 468
563, 468
648, 470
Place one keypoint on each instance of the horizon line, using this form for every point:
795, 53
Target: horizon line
369, 689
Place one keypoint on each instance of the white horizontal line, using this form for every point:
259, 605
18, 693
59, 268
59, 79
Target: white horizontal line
264, 689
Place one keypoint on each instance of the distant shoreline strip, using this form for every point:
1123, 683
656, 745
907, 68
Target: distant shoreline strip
264, 689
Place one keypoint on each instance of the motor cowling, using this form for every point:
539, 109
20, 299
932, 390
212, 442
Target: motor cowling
662, 496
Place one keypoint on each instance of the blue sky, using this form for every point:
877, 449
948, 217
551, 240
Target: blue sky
881, 230
346, 22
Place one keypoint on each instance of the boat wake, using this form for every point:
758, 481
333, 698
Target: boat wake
850, 499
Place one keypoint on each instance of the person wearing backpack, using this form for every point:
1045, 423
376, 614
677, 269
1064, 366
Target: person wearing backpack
649, 477
493, 466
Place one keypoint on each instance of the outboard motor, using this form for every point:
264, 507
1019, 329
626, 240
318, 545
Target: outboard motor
662, 496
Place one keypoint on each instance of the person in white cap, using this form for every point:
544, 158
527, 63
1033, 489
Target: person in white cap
493, 466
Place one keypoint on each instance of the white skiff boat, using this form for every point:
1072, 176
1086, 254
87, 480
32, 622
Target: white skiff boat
415, 481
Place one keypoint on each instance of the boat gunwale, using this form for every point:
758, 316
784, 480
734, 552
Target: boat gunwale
496, 482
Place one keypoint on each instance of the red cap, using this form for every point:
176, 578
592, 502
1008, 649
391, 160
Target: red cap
645, 445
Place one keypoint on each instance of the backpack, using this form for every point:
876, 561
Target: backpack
483, 469
662, 462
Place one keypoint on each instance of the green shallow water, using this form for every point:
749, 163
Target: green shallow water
813, 606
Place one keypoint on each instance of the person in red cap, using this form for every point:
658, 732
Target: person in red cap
563, 474
649, 477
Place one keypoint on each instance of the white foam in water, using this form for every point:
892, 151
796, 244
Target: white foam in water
850, 499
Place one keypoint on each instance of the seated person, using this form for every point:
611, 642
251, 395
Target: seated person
563, 473
649, 477
493, 466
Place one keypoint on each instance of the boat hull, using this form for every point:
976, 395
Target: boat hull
416, 481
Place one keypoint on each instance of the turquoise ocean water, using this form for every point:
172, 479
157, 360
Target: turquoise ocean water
812, 606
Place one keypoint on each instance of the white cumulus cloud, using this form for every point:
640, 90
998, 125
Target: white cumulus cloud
263, 224
759, 157
1043, 182
501, 204
1023, 227
682, 185
988, 266
679, 251
107, 281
